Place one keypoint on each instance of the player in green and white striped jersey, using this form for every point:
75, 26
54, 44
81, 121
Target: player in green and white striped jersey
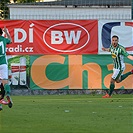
4, 86
117, 52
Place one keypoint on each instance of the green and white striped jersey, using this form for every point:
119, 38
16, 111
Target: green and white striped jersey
118, 54
3, 42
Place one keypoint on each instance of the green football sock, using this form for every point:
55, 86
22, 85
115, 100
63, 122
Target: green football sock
0, 105
112, 86
7, 89
125, 75
2, 91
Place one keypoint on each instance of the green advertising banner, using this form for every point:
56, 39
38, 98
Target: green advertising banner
75, 72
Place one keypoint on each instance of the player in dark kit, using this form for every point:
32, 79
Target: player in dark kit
4, 86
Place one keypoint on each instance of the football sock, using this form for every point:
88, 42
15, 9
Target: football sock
125, 75
2, 91
7, 89
112, 86
0, 107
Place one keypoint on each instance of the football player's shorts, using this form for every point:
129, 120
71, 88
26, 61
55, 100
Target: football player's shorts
117, 73
3, 71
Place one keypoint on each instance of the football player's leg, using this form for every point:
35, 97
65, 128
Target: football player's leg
116, 75
6, 85
124, 76
2, 91
2, 94
7, 89
0, 107
5, 79
7, 92
112, 86
1, 98
111, 89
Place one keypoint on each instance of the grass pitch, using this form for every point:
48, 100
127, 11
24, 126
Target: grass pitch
68, 114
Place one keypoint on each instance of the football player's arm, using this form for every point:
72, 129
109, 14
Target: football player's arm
7, 34
130, 57
106, 49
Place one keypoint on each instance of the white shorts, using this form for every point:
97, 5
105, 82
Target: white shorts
4, 71
117, 73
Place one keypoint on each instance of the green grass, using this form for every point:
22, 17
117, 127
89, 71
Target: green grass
68, 114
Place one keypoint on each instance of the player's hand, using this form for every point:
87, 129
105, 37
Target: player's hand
7, 34
5, 29
104, 49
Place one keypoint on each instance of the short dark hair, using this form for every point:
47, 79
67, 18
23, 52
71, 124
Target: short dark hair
115, 36
1, 32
